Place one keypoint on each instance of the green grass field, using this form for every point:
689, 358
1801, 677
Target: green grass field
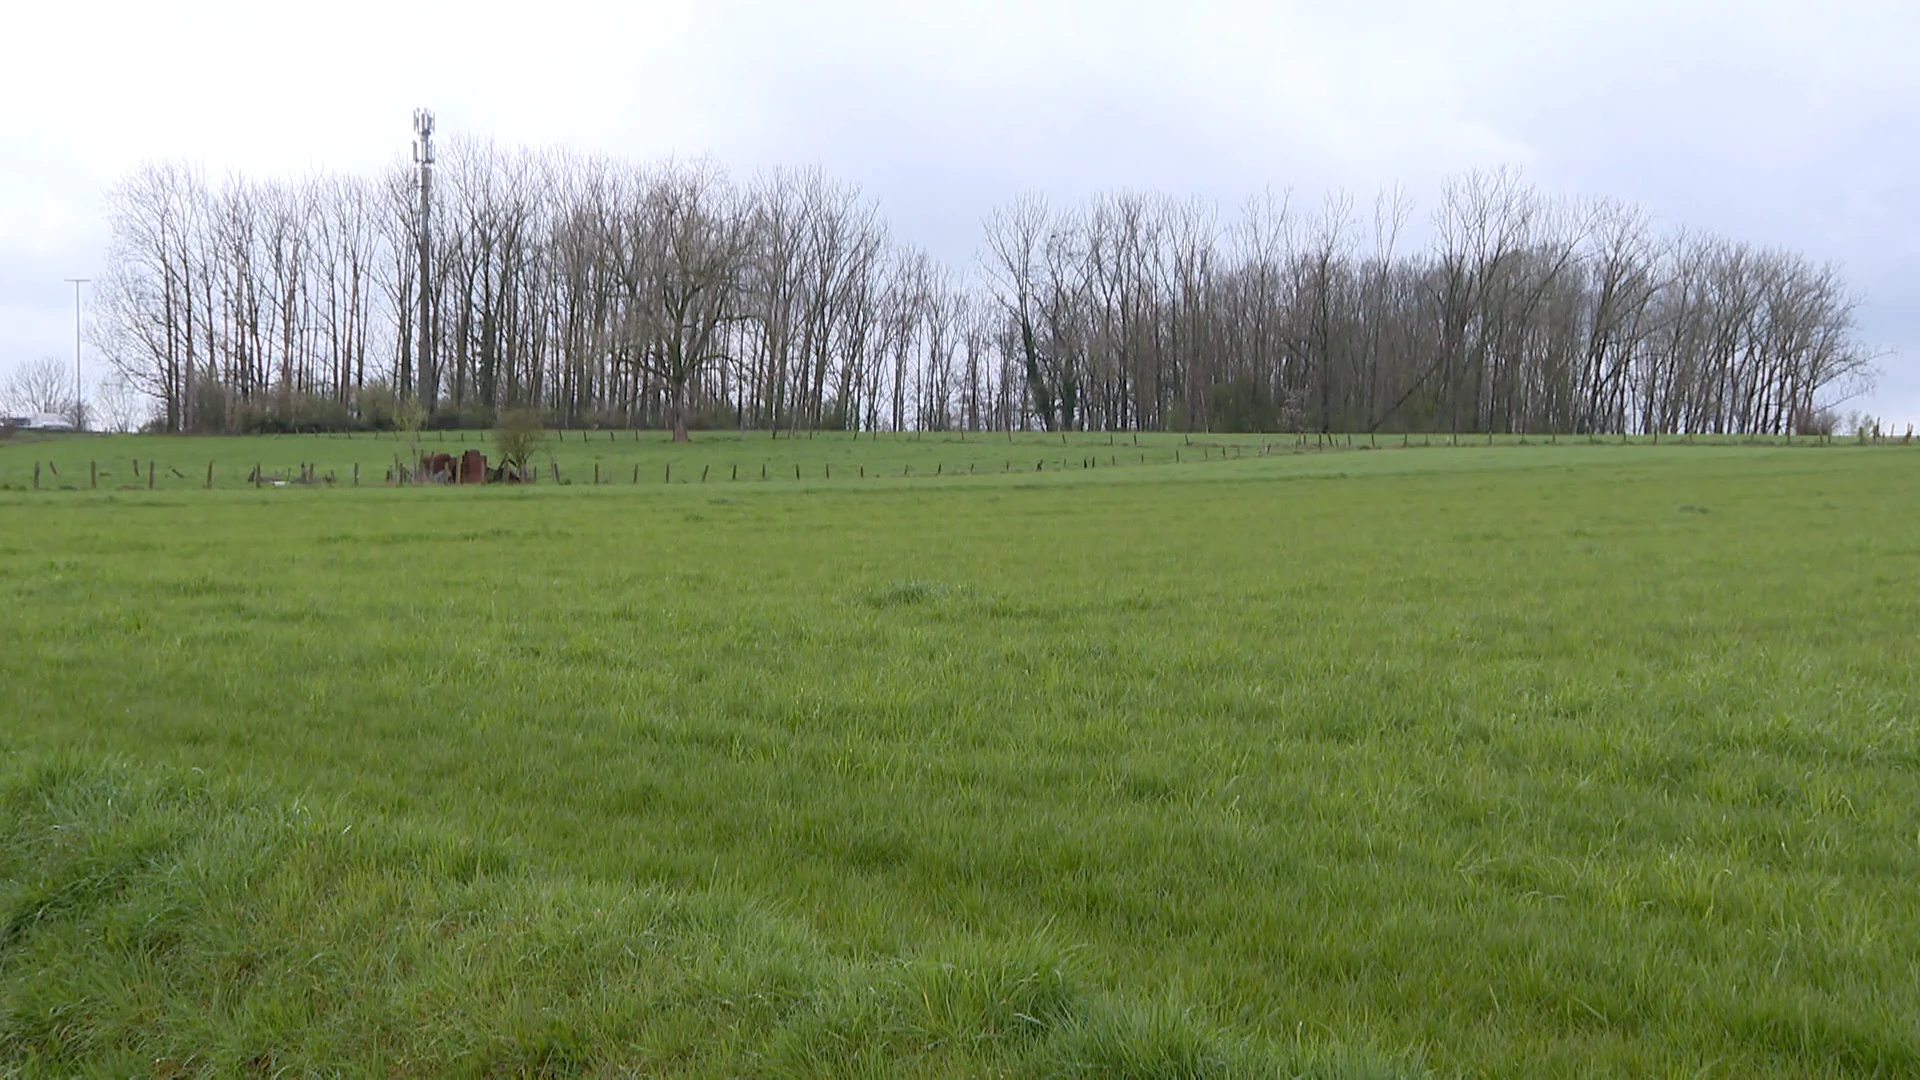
1558, 760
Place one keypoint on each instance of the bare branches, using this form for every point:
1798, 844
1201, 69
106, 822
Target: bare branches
686, 268
43, 386
600, 292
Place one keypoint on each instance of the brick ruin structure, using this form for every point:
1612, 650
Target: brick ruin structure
469, 468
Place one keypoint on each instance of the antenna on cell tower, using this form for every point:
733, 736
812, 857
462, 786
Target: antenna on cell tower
423, 233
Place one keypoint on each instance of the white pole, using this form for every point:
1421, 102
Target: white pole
79, 391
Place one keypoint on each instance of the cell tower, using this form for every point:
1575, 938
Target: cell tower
423, 231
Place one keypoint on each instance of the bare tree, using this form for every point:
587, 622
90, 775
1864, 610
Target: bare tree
40, 386
117, 407
1016, 237
687, 253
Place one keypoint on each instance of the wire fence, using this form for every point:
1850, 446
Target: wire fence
957, 454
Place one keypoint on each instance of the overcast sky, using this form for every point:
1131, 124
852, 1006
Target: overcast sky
1781, 123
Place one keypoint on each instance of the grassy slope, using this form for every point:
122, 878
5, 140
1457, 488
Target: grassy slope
1572, 759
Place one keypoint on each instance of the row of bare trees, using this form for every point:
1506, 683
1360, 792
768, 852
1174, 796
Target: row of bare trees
672, 295
1523, 314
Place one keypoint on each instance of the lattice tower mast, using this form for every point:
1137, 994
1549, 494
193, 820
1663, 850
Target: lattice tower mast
429, 373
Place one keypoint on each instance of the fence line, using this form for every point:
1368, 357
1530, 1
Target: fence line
146, 471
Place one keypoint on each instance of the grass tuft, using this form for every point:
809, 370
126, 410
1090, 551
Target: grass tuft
160, 923
906, 594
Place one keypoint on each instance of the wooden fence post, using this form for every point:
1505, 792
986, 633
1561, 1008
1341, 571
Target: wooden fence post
149, 474
356, 475
36, 476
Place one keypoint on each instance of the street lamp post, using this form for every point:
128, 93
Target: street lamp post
79, 393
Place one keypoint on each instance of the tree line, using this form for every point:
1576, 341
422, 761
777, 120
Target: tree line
610, 293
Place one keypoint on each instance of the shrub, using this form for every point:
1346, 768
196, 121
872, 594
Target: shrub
1244, 403
1815, 422
518, 437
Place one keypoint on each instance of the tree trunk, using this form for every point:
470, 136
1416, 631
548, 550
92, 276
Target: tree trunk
677, 404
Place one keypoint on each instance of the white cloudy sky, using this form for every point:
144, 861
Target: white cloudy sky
1788, 122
